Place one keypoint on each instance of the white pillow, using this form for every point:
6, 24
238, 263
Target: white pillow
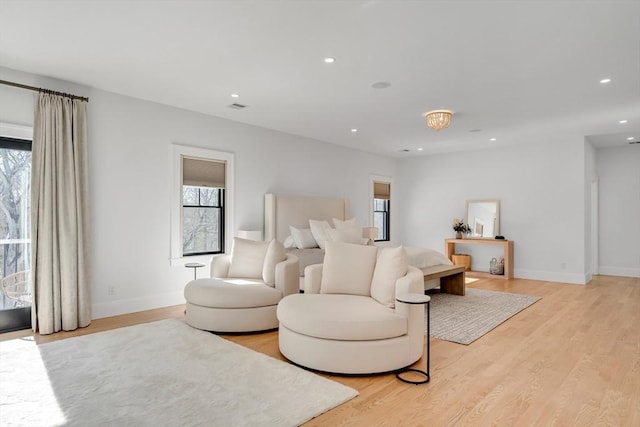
319, 230
346, 236
392, 264
275, 254
349, 224
303, 238
289, 243
247, 258
348, 269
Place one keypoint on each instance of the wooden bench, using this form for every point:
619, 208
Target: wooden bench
451, 277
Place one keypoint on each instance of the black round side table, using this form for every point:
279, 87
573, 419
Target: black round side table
418, 299
195, 266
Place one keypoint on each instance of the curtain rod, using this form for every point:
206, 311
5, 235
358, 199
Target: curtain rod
39, 89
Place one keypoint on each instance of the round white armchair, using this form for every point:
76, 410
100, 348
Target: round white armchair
244, 289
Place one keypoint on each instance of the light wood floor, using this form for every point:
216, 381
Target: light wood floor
571, 359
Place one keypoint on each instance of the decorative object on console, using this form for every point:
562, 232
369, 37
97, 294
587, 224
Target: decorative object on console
496, 266
438, 119
460, 228
483, 218
499, 237
371, 234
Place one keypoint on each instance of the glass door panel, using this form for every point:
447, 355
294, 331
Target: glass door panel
15, 234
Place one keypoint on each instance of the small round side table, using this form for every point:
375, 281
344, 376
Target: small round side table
195, 266
418, 299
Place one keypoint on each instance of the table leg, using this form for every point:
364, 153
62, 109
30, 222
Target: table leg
426, 374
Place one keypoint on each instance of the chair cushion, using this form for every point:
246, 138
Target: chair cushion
231, 293
275, 254
348, 269
340, 317
392, 264
247, 258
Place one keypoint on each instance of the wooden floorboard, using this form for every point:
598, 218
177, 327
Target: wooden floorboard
572, 358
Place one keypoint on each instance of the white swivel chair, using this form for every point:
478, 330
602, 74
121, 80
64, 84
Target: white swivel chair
244, 289
348, 321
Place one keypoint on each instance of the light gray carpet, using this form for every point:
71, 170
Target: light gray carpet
464, 319
157, 374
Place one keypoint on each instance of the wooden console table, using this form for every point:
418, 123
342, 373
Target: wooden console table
507, 246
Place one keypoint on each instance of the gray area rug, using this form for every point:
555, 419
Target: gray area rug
157, 374
464, 319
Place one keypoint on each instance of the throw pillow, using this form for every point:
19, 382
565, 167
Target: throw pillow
303, 238
346, 236
392, 264
319, 230
247, 258
289, 243
349, 224
275, 254
348, 269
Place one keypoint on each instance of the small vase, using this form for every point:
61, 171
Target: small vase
458, 234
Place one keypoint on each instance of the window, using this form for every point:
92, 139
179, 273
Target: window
381, 218
201, 203
202, 220
381, 208
15, 233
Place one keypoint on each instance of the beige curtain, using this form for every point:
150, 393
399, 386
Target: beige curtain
59, 215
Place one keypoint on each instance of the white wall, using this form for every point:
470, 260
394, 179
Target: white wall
541, 192
619, 193
129, 149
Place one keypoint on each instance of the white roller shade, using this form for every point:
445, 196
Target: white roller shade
203, 173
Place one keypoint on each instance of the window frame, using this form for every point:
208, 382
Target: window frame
385, 179
177, 152
221, 207
386, 221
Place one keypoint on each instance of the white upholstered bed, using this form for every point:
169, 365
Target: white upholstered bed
282, 211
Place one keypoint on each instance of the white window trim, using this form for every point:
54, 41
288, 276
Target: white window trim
177, 152
10, 130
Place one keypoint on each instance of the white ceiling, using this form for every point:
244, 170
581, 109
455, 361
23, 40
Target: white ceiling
521, 71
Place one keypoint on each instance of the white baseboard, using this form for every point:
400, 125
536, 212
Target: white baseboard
619, 271
124, 306
551, 276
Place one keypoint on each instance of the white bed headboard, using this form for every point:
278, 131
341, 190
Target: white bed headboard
281, 211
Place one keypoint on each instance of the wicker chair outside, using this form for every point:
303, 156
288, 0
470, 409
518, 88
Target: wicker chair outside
16, 287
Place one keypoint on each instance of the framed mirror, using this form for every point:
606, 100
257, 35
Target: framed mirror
483, 217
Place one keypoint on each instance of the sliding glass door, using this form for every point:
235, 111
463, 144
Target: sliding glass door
15, 240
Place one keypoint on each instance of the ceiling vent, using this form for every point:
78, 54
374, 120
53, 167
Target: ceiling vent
237, 106
634, 142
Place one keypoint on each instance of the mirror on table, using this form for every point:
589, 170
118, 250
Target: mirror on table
483, 217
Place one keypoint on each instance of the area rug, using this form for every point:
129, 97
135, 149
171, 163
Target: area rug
464, 319
157, 374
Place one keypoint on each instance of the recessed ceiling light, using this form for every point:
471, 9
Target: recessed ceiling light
329, 60
354, 130
622, 122
235, 95
631, 138
492, 139
381, 85
603, 81
419, 149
